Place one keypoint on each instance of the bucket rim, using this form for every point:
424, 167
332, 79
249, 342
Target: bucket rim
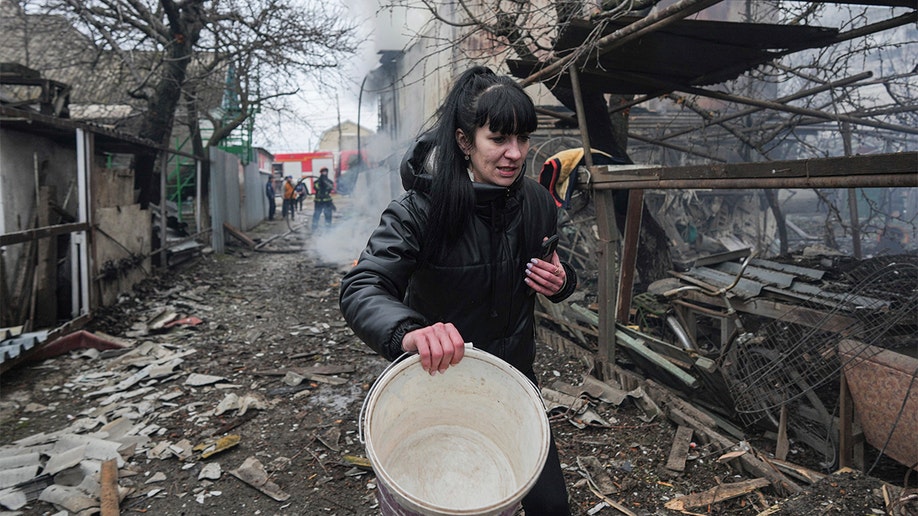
423, 506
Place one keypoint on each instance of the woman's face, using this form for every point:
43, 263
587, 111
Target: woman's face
495, 158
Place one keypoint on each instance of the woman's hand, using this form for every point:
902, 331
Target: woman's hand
546, 277
439, 346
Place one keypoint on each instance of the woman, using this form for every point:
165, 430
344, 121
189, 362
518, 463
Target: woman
458, 257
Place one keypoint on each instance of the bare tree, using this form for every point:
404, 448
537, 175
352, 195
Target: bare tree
203, 59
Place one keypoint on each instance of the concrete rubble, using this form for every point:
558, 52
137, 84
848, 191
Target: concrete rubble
136, 388
182, 395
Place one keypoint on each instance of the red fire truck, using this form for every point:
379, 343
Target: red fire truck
305, 166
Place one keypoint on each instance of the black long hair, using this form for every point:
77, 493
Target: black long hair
478, 97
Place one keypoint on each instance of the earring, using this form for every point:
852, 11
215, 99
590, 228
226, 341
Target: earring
466, 157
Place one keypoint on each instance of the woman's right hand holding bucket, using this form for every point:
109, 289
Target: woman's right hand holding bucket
439, 346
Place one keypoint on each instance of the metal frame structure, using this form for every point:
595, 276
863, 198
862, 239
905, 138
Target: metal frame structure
863, 171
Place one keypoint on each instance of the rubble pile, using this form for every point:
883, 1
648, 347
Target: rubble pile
233, 386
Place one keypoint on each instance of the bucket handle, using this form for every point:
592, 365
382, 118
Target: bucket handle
363, 407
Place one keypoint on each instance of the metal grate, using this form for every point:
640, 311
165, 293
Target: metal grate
790, 358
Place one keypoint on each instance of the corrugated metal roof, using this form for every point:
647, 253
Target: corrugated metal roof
11, 347
779, 279
686, 52
805, 272
757, 282
745, 288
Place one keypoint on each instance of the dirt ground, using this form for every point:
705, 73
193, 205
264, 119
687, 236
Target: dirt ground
265, 314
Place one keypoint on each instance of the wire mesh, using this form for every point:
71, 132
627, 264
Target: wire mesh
791, 357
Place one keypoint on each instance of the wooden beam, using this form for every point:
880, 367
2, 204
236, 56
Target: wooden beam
607, 288
43, 312
45, 232
4, 293
908, 180
629, 254
680, 448
805, 474
656, 83
705, 429
798, 95
109, 497
775, 310
898, 169
566, 322
783, 445
658, 360
22, 291
581, 117
716, 494
242, 237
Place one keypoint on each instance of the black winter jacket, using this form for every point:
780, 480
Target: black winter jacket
478, 287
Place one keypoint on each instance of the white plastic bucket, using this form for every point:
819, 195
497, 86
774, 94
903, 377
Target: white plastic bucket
471, 441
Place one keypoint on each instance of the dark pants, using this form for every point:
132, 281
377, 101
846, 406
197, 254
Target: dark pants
286, 208
548, 496
322, 207
272, 208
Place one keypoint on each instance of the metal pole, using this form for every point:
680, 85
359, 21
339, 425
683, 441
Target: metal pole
78, 242
852, 198
162, 212
864, 181
359, 109
581, 117
198, 217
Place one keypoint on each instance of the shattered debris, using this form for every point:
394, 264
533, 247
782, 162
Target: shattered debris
268, 388
213, 447
252, 472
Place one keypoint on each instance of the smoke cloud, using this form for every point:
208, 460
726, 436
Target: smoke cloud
358, 212
356, 218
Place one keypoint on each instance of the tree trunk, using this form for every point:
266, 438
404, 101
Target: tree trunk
185, 25
772, 196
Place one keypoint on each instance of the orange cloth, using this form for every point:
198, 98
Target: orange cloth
289, 190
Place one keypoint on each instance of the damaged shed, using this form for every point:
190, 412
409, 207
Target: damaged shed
738, 324
74, 236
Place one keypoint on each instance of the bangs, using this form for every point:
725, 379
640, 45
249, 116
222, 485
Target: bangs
507, 110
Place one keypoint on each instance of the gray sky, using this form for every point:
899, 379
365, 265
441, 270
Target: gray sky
323, 105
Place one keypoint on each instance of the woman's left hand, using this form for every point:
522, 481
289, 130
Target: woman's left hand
546, 278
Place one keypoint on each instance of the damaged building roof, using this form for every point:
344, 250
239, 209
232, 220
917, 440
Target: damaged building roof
616, 56
686, 52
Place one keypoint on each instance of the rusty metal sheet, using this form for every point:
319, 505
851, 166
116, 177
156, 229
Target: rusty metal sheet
800, 272
770, 277
687, 52
745, 289
13, 347
848, 300
885, 394
805, 316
